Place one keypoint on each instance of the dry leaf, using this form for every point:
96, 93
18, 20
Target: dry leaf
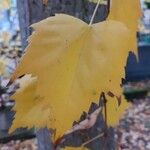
87, 123
74, 63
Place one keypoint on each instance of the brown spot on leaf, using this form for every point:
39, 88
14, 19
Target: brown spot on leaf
110, 94
119, 98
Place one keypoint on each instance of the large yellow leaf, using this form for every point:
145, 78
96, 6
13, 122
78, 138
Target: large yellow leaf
74, 63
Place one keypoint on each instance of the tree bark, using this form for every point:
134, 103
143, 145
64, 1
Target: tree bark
44, 142
23, 11
32, 11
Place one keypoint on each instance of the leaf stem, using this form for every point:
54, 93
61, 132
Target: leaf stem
94, 13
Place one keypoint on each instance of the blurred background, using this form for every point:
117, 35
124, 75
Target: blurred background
133, 131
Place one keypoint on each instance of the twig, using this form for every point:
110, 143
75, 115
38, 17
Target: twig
93, 139
104, 101
103, 98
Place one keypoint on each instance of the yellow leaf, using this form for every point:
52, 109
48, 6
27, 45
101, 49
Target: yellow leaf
74, 63
126, 11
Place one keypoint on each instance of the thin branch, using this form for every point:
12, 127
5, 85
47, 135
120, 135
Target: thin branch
93, 139
104, 103
103, 97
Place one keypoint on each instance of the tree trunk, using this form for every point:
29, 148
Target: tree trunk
44, 142
23, 11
